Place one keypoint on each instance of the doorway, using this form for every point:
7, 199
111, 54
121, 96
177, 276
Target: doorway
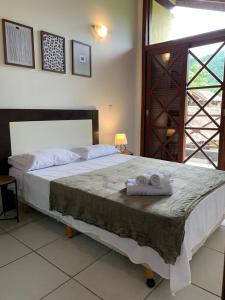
184, 100
205, 75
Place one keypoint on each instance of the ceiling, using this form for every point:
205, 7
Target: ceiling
203, 4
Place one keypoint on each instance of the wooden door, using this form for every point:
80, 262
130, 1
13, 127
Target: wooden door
169, 129
165, 105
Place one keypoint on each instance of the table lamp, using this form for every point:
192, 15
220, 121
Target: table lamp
121, 141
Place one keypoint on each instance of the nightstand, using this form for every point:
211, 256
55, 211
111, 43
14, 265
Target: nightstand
8, 197
127, 152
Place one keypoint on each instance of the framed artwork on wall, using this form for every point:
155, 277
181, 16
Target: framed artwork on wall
18, 42
53, 52
81, 59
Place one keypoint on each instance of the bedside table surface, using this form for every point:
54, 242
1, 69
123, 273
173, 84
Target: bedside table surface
6, 180
127, 152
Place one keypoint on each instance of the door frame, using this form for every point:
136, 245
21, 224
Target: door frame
188, 42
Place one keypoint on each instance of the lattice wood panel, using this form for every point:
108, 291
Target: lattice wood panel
166, 104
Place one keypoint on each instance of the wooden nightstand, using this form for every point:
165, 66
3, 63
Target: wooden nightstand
127, 152
8, 196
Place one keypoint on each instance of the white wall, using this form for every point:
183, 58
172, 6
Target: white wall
114, 61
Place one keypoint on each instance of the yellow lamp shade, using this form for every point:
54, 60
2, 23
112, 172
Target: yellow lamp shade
120, 139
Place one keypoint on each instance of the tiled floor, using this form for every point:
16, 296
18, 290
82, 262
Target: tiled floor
37, 261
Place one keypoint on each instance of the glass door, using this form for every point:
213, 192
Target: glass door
204, 105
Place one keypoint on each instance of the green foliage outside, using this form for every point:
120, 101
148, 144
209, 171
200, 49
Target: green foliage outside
205, 78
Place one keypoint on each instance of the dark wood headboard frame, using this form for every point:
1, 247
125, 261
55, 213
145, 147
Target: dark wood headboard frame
23, 115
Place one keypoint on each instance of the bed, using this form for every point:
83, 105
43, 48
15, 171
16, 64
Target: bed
34, 187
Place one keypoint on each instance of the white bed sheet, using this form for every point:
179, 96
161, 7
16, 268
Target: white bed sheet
34, 187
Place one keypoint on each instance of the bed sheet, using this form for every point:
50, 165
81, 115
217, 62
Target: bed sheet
34, 187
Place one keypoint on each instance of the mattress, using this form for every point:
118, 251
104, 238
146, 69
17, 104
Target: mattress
34, 187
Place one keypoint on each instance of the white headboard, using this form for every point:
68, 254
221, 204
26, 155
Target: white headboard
23, 130
37, 135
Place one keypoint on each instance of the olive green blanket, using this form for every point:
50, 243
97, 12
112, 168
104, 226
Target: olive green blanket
99, 198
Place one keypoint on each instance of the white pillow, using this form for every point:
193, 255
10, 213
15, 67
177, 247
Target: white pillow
94, 151
42, 159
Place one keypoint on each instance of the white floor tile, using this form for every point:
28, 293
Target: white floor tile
115, 277
53, 225
29, 278
217, 240
11, 249
162, 292
37, 234
207, 270
71, 291
32, 216
73, 255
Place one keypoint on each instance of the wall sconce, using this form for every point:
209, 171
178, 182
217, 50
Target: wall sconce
166, 57
100, 31
170, 132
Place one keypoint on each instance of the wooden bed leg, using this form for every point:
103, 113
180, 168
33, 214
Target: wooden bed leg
25, 208
149, 278
70, 232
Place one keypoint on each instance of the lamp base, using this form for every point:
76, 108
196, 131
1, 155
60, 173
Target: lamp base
121, 148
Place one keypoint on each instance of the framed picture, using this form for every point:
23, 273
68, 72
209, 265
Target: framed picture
53, 52
81, 59
18, 44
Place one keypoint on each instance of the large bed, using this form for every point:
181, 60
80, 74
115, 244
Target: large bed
34, 189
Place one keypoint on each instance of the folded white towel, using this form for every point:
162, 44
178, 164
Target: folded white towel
143, 179
147, 190
131, 182
160, 179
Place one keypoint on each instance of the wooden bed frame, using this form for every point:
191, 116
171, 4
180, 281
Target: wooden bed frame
23, 115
